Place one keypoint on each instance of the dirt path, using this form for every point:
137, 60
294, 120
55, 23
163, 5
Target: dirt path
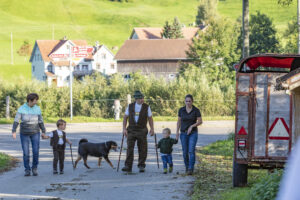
101, 183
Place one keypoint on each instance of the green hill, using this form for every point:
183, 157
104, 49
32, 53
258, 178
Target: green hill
102, 20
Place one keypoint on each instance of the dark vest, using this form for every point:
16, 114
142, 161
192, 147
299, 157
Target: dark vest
143, 116
55, 138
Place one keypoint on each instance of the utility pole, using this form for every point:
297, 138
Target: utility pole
71, 83
246, 50
52, 31
11, 47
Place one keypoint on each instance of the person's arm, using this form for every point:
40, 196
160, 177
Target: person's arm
158, 145
151, 123
199, 122
151, 126
178, 127
47, 135
15, 125
68, 141
125, 125
174, 141
41, 125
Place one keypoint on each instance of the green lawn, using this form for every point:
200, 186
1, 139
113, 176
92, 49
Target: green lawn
214, 174
102, 20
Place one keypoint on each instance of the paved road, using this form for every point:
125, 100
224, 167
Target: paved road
101, 183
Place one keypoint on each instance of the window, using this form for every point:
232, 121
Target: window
85, 67
112, 66
77, 68
103, 56
98, 66
50, 68
33, 68
59, 67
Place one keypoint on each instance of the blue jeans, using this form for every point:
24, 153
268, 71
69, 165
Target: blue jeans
167, 158
188, 143
35, 142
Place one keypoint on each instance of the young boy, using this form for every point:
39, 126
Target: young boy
58, 142
165, 145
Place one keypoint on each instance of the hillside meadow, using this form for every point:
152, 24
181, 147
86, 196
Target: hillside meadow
105, 21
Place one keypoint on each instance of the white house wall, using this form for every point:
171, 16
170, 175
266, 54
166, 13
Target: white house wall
105, 63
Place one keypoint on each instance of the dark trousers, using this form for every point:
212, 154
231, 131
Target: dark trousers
59, 155
139, 135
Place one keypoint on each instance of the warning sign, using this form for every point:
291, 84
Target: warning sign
279, 130
242, 131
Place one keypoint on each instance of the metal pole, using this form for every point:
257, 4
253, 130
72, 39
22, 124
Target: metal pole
7, 107
120, 152
156, 150
71, 84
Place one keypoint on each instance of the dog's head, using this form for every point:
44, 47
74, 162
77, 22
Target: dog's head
112, 144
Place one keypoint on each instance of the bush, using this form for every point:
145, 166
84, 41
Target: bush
267, 187
94, 96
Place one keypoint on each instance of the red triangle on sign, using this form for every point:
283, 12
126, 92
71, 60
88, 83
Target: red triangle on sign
242, 131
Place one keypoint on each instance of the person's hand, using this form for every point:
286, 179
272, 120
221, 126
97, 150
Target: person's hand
125, 132
14, 135
190, 130
151, 132
43, 136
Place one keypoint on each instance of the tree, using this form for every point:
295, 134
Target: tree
167, 31
176, 29
25, 49
291, 33
262, 35
207, 9
172, 31
214, 53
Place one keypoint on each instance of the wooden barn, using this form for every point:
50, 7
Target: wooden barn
160, 57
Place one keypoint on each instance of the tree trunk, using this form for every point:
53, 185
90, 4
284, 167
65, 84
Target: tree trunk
245, 28
298, 19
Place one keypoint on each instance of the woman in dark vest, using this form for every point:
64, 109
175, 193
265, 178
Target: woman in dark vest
138, 113
189, 117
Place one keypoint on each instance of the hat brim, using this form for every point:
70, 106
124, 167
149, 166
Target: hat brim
138, 96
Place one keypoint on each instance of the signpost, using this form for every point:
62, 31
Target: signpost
75, 52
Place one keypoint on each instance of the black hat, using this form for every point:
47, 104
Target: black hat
138, 95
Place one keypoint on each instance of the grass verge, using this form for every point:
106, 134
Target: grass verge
214, 174
7, 162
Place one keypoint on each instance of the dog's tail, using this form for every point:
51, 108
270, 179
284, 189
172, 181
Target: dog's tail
82, 141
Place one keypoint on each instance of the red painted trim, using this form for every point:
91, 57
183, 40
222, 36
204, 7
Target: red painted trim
273, 125
285, 125
279, 138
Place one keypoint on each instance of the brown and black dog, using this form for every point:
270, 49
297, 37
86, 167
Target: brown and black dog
99, 150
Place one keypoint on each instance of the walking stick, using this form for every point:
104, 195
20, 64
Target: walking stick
120, 152
156, 151
72, 155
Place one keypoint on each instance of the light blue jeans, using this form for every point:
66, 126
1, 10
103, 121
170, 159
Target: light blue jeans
188, 143
35, 143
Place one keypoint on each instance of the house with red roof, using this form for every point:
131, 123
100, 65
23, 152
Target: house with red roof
51, 63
